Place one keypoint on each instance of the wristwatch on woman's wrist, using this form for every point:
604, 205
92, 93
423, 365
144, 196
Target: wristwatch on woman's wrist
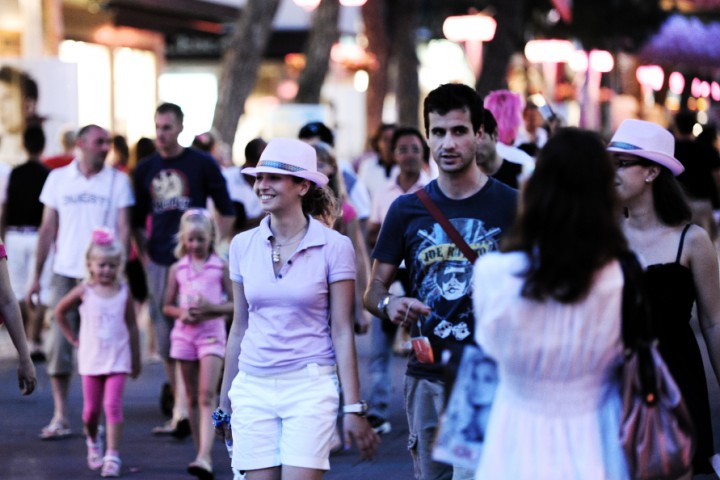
359, 408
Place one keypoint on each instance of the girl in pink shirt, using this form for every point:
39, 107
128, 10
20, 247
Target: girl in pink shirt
199, 297
108, 346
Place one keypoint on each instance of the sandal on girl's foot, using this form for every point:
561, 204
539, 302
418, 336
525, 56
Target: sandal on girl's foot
201, 469
95, 450
110, 467
55, 430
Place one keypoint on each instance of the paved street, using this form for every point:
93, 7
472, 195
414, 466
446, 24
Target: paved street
24, 456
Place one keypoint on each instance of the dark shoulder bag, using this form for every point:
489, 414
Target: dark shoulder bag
656, 430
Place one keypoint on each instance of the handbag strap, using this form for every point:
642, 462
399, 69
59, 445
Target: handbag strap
451, 231
637, 332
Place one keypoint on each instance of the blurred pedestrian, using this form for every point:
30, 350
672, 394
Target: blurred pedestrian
68, 138
701, 178
681, 265
357, 194
77, 198
169, 182
411, 154
377, 167
548, 311
293, 281
21, 218
506, 109
199, 298
108, 346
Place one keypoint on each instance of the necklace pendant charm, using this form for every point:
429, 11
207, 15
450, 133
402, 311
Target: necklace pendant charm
276, 255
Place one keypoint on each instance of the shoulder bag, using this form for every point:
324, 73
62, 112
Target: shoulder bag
656, 430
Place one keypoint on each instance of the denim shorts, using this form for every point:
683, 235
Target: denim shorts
284, 419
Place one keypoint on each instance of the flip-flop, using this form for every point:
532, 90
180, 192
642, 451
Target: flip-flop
201, 469
55, 430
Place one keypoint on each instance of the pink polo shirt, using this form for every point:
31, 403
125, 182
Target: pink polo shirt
288, 314
382, 201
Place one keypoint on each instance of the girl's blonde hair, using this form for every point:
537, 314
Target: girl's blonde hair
103, 242
193, 218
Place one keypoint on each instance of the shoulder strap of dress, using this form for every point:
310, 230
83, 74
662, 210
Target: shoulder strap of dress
682, 241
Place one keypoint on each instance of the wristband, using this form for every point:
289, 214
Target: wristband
219, 418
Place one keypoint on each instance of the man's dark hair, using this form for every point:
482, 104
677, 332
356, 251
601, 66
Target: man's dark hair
87, 128
168, 107
489, 123
317, 129
453, 96
375, 139
34, 140
253, 150
411, 131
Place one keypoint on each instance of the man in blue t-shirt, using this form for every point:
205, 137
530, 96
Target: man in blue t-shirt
439, 305
169, 182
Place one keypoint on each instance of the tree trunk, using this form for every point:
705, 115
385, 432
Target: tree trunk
497, 52
323, 34
240, 64
407, 89
379, 46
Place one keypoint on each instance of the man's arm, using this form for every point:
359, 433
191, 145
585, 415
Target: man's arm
123, 227
46, 235
400, 310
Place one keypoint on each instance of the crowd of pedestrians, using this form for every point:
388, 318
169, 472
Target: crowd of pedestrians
485, 230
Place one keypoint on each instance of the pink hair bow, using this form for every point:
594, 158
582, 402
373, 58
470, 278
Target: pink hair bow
102, 236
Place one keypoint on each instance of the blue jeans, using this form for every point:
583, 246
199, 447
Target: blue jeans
380, 354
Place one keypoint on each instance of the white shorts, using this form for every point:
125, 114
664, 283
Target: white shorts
284, 419
21, 247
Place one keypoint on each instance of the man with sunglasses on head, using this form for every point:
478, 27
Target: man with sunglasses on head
171, 181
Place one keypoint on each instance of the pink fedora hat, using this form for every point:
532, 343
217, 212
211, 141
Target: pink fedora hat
287, 156
647, 140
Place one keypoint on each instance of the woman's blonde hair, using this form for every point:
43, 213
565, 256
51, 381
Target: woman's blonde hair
193, 218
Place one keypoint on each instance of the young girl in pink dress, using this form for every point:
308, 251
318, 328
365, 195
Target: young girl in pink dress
199, 297
108, 347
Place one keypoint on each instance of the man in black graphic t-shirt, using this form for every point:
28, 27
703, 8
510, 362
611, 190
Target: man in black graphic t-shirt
439, 305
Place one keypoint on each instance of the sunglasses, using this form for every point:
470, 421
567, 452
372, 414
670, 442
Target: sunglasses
622, 163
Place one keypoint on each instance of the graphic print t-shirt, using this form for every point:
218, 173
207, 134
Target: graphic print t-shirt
166, 187
440, 275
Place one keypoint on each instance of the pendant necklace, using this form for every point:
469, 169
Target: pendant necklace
292, 240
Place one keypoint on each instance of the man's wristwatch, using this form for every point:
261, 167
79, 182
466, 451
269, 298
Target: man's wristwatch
383, 304
359, 408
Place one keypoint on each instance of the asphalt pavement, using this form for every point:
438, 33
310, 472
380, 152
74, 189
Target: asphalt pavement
23, 456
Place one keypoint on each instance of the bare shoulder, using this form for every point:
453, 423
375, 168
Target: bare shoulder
698, 246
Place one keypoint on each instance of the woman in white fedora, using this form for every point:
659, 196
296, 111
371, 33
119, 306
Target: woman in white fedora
292, 332
681, 264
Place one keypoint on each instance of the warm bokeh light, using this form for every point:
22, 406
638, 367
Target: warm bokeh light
539, 51
468, 28
676, 83
353, 3
578, 61
695, 87
715, 91
650, 76
601, 61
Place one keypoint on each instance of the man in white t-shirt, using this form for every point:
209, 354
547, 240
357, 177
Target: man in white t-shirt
77, 198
